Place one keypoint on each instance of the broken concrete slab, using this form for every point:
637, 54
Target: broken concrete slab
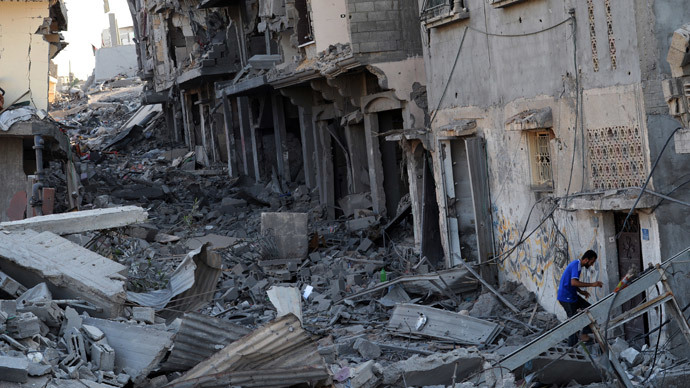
288, 231
11, 286
360, 223
352, 202
138, 349
82, 221
368, 350
215, 241
14, 369
143, 314
416, 320
439, 368
69, 270
286, 301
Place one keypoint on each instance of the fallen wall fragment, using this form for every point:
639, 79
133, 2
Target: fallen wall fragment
69, 270
138, 349
416, 320
82, 221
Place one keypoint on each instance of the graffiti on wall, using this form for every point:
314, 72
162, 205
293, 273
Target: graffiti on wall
541, 258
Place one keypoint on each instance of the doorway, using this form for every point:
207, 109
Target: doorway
629, 255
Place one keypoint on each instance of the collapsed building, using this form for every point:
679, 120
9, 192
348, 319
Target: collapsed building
33, 28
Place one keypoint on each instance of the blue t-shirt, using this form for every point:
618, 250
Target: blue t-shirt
567, 292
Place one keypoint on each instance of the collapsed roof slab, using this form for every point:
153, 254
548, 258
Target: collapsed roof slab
82, 221
69, 270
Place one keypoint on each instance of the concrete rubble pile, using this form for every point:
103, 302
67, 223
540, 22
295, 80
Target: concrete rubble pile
172, 276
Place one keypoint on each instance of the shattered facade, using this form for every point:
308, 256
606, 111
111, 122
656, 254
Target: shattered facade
30, 38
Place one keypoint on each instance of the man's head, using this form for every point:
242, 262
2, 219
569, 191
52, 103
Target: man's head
589, 258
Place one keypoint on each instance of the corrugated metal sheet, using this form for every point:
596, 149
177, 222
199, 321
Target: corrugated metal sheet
281, 344
442, 324
266, 378
199, 337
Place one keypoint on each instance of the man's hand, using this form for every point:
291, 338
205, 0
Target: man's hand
598, 284
585, 294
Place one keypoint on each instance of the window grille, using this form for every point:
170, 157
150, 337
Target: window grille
542, 160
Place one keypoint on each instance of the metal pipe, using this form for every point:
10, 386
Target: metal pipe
37, 197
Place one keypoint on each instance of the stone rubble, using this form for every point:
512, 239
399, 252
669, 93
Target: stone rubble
265, 238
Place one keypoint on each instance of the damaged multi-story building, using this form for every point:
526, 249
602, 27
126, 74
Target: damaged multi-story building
558, 106
326, 94
543, 123
29, 38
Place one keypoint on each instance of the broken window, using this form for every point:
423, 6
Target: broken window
304, 29
433, 8
540, 159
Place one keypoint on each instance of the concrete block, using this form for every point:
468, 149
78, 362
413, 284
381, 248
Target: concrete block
102, 356
14, 369
366, 6
366, 349
355, 17
632, 356
92, 332
289, 231
360, 223
9, 307
231, 294
682, 141
144, 314
24, 325
365, 245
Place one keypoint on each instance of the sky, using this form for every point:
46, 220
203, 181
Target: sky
86, 20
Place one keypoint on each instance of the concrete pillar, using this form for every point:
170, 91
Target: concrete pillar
189, 139
306, 129
255, 152
414, 155
327, 178
280, 137
357, 147
243, 118
114, 31
204, 130
378, 196
318, 156
230, 138
12, 172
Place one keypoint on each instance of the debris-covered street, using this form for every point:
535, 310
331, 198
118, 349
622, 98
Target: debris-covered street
308, 193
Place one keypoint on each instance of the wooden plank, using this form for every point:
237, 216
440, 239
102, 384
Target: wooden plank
476, 161
82, 221
441, 324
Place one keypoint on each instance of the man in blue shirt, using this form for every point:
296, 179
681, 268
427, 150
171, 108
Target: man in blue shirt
569, 288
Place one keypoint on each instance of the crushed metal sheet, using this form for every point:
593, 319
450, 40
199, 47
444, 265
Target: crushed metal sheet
198, 338
191, 285
416, 320
280, 344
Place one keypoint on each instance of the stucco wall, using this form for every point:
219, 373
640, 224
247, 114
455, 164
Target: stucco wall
113, 61
497, 77
12, 172
329, 27
23, 53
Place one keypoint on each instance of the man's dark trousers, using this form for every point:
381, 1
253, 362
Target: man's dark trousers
572, 309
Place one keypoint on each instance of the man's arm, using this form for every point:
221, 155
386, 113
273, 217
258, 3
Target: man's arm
577, 283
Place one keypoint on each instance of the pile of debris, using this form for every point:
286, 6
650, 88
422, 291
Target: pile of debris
172, 274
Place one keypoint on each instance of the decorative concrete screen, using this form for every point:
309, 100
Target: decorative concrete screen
616, 159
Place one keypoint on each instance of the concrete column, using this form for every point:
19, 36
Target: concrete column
327, 193
114, 31
415, 174
280, 137
189, 139
357, 147
230, 138
12, 173
378, 196
306, 130
255, 151
243, 118
318, 156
